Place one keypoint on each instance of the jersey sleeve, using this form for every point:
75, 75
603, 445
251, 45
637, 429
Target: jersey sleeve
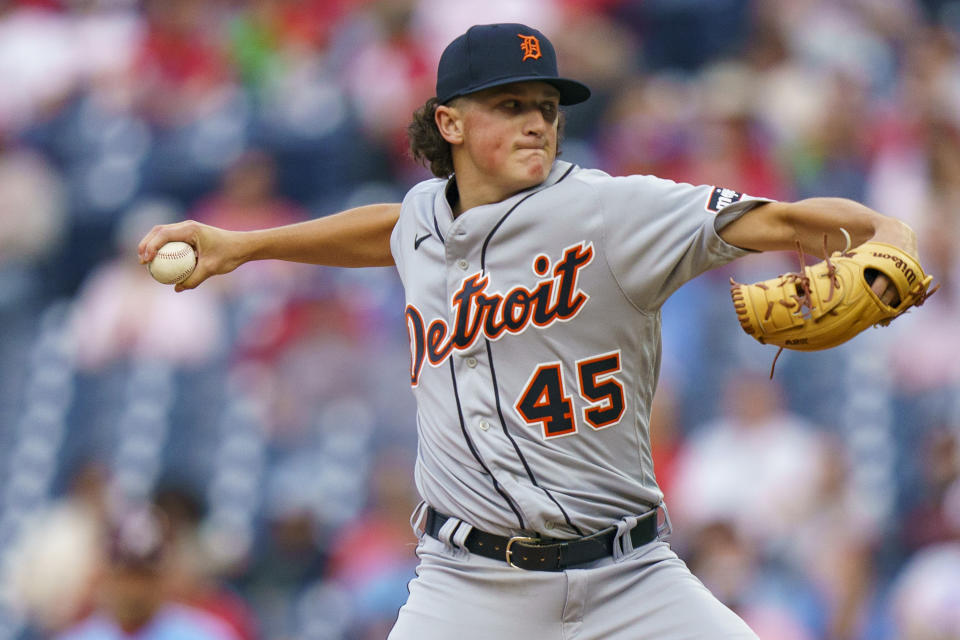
396, 237
658, 234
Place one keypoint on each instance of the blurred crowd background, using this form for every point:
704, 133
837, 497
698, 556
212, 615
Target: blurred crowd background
267, 417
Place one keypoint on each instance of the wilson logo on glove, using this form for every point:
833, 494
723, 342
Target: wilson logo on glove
907, 271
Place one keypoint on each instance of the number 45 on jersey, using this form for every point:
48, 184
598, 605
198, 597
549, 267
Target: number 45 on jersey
545, 400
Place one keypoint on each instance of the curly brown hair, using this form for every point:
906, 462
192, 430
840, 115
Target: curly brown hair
429, 148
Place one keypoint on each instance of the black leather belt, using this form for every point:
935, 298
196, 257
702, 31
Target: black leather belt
544, 554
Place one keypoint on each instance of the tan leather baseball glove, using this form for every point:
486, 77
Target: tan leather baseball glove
830, 302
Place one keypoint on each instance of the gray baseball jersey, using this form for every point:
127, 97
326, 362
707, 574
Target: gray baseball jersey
535, 341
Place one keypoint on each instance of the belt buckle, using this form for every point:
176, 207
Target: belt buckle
509, 552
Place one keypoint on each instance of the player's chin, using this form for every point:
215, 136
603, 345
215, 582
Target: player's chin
535, 165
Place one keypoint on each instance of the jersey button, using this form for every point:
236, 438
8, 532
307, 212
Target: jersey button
463, 264
471, 362
484, 425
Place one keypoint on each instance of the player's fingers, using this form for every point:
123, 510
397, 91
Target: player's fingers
142, 252
885, 290
161, 234
192, 282
155, 238
209, 263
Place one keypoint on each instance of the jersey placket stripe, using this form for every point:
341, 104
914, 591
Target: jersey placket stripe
516, 446
496, 389
486, 241
476, 454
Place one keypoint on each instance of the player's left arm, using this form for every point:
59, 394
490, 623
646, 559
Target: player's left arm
778, 226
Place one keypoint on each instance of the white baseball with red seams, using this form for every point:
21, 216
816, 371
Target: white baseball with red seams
173, 263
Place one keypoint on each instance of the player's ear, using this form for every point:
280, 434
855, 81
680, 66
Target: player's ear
449, 121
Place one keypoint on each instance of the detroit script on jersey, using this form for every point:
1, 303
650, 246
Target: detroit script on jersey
491, 314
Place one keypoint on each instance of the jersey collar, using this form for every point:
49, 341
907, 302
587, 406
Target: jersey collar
443, 210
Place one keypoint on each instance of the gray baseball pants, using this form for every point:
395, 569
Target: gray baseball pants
648, 593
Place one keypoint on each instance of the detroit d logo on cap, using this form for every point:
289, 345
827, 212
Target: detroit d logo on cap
530, 46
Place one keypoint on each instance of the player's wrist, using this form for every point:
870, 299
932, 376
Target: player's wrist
247, 246
898, 233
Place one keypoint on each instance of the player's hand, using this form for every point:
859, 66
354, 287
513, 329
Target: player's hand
885, 290
218, 250
899, 234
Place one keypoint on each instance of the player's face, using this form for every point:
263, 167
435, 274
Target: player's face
509, 136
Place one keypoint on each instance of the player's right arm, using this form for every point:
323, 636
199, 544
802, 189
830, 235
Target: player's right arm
358, 237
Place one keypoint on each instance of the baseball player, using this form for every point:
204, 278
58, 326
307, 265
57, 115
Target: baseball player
533, 290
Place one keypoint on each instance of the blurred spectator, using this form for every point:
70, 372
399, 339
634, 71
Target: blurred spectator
291, 559
928, 520
46, 53
261, 296
373, 556
247, 199
843, 571
925, 594
194, 579
121, 312
834, 160
730, 147
58, 553
132, 593
598, 47
389, 75
685, 35
646, 129
33, 216
789, 95
180, 61
916, 171
775, 602
266, 37
868, 31
36, 62
758, 467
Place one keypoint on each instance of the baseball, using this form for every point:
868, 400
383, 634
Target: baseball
174, 263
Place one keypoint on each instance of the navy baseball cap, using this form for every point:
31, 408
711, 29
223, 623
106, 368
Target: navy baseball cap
490, 55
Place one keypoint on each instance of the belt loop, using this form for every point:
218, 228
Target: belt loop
664, 530
459, 537
418, 519
622, 542
448, 529
448, 535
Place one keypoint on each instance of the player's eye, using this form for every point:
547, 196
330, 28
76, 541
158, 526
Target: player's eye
549, 111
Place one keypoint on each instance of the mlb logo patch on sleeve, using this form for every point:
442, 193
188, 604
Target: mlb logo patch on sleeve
721, 197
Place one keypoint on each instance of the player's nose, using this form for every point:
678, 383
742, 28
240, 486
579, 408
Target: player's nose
535, 122
535, 125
